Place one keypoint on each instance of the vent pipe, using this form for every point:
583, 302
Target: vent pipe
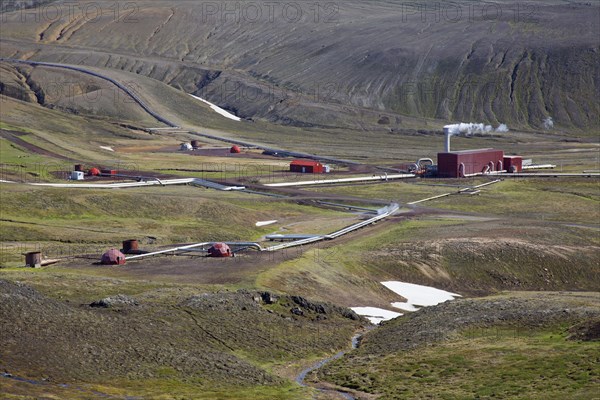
447, 135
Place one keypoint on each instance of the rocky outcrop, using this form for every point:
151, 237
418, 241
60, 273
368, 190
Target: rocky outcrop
119, 300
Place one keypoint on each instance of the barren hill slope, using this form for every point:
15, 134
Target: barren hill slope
155, 344
502, 61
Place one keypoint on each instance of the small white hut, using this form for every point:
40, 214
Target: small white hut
77, 175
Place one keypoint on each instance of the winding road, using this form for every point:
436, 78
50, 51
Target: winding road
168, 122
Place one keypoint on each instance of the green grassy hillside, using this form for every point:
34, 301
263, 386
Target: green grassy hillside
517, 346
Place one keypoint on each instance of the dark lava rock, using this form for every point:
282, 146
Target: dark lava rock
297, 311
316, 307
586, 331
268, 298
384, 120
348, 313
322, 308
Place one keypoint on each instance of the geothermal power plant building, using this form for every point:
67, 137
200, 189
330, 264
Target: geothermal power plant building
457, 164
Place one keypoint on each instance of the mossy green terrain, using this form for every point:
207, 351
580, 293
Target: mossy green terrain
232, 342
501, 347
502, 363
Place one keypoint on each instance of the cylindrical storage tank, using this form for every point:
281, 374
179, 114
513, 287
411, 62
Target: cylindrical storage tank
33, 259
130, 246
78, 167
195, 144
235, 150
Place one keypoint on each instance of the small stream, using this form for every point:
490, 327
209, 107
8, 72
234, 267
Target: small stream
302, 376
299, 379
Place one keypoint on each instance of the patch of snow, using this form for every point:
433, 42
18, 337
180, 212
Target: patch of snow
107, 148
418, 295
265, 223
375, 315
218, 109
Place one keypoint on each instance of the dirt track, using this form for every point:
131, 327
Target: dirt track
197, 269
13, 137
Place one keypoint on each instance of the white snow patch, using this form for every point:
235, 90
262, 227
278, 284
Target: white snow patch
107, 148
265, 223
418, 295
218, 109
375, 315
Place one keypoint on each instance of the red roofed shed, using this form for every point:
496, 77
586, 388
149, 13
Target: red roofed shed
307, 167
